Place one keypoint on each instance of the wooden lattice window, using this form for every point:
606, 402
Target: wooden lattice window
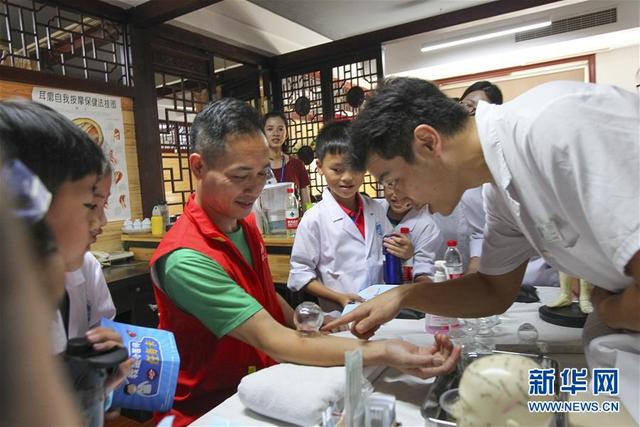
351, 83
37, 36
179, 100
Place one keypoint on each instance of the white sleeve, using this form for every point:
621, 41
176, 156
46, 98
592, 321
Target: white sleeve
596, 168
305, 254
97, 292
505, 248
426, 244
475, 216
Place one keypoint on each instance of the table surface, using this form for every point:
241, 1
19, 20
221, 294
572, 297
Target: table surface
410, 391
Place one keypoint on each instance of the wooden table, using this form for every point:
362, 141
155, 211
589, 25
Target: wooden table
278, 251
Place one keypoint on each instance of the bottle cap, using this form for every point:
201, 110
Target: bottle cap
452, 243
405, 230
78, 347
289, 190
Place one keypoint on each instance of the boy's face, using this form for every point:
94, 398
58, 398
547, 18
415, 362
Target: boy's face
70, 216
397, 204
228, 186
101, 197
341, 180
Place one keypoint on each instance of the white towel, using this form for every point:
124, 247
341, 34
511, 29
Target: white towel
295, 394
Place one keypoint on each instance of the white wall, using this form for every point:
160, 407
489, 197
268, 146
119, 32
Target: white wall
403, 56
618, 67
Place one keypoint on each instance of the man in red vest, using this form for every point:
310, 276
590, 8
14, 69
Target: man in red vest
214, 287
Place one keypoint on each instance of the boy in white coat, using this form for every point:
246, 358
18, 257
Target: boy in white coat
424, 233
337, 251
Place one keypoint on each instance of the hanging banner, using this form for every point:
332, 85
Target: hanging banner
100, 116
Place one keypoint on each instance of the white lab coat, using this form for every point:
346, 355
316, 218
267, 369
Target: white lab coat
329, 247
462, 225
89, 301
425, 237
565, 159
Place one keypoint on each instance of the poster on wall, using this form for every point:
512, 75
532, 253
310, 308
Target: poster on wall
100, 116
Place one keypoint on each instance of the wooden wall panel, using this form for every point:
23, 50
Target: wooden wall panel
110, 239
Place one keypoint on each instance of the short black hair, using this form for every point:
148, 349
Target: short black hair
493, 92
398, 105
219, 119
49, 144
334, 138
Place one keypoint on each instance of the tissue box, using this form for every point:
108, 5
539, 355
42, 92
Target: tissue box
151, 384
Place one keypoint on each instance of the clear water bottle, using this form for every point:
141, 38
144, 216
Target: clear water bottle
292, 213
407, 265
433, 323
453, 260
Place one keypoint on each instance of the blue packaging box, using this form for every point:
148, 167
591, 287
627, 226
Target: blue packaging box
151, 384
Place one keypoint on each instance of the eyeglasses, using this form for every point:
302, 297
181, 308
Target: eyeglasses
387, 183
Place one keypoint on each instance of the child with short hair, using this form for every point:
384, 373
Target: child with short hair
424, 234
71, 167
337, 250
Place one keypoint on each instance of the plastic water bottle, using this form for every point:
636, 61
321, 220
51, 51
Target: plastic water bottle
157, 221
407, 265
453, 260
292, 213
392, 267
435, 323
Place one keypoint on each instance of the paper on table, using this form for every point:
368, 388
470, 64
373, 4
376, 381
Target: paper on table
367, 294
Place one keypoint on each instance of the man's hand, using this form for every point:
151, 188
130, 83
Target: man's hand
368, 316
328, 319
423, 362
106, 339
399, 245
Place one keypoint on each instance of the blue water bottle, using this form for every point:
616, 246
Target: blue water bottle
392, 267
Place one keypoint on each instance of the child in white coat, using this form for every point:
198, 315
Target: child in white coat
424, 233
337, 251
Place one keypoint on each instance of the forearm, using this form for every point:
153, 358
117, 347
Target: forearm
317, 288
287, 311
474, 264
305, 196
622, 311
287, 345
474, 295
320, 350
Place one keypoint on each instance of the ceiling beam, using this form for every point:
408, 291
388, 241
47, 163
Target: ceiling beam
155, 12
198, 41
93, 8
352, 44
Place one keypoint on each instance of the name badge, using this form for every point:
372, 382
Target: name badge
549, 232
379, 229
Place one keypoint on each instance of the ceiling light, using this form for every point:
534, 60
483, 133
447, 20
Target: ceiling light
487, 36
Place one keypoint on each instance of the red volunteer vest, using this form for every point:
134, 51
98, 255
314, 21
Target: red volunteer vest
211, 368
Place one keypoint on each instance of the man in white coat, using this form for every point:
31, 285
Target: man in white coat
563, 161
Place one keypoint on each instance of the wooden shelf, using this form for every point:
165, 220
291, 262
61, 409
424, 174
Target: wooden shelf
147, 237
277, 240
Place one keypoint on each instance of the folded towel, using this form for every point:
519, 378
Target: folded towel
295, 394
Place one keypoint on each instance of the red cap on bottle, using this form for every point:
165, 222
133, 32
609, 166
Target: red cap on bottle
404, 230
452, 243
